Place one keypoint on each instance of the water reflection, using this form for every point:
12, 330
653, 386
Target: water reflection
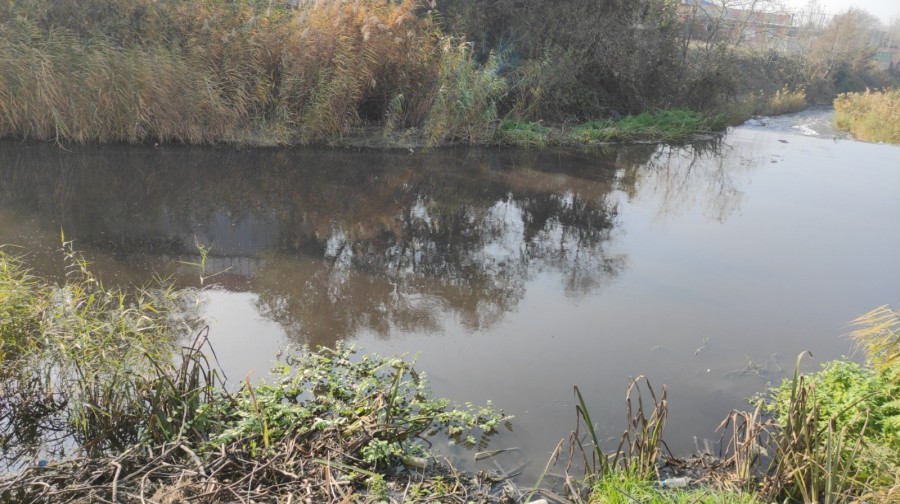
681, 177
335, 243
515, 274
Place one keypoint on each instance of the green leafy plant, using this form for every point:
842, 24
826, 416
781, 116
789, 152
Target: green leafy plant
382, 402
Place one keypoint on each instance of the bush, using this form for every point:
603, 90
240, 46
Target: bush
596, 57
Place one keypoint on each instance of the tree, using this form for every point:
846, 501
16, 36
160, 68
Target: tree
845, 44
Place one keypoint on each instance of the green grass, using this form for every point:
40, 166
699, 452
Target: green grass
520, 133
620, 487
671, 125
873, 116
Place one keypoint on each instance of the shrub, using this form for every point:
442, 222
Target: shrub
873, 116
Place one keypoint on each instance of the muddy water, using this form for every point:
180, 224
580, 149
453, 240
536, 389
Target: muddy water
514, 275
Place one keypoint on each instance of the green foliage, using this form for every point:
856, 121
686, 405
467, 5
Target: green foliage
815, 455
465, 103
384, 401
837, 433
624, 487
99, 371
79, 359
873, 116
522, 133
855, 396
668, 126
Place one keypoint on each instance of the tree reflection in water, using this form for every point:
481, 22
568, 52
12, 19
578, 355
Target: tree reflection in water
334, 242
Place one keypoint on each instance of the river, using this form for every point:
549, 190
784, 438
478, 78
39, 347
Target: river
512, 274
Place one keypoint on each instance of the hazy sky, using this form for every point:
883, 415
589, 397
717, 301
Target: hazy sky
886, 10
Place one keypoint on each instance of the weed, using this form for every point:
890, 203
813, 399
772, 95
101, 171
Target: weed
81, 355
98, 371
639, 448
748, 435
817, 447
465, 103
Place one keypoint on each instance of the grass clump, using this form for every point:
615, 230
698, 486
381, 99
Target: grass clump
622, 487
465, 103
522, 133
873, 116
671, 125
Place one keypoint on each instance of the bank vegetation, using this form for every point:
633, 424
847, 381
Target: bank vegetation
429, 73
872, 116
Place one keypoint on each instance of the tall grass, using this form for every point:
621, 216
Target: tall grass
873, 116
76, 358
465, 104
220, 72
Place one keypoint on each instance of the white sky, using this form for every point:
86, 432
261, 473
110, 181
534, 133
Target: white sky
886, 10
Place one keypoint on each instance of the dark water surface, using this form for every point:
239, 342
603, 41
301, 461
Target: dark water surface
513, 274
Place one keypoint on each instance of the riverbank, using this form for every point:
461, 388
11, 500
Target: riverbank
131, 387
665, 126
275, 73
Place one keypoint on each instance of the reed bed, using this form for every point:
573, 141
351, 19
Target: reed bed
220, 72
873, 116
259, 72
